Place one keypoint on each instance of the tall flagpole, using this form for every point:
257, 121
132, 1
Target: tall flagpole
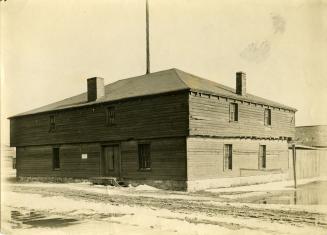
147, 39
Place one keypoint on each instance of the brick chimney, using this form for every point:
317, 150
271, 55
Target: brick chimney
240, 83
95, 88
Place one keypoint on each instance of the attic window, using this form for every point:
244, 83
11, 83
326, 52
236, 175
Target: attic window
267, 117
52, 123
233, 112
110, 116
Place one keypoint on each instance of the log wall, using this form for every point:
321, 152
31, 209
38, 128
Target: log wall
147, 117
205, 157
209, 116
168, 160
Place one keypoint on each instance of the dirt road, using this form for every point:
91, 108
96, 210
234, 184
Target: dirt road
167, 207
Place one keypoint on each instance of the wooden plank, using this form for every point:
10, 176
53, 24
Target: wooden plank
168, 160
210, 117
205, 156
153, 117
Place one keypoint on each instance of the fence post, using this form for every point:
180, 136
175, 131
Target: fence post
294, 163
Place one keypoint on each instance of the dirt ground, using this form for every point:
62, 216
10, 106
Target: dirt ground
82, 208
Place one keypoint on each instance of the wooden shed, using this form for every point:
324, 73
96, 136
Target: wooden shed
169, 129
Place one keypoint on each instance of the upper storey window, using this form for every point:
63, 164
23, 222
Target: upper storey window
110, 116
233, 112
52, 123
267, 117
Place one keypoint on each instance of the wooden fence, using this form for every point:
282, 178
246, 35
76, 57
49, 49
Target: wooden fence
310, 163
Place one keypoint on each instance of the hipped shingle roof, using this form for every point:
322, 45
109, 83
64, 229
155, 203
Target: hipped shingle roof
151, 84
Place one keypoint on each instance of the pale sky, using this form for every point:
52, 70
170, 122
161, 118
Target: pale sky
49, 48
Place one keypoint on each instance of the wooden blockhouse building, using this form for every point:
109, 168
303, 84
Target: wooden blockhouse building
169, 129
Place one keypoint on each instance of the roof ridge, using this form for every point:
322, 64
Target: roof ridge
222, 86
159, 82
179, 77
247, 96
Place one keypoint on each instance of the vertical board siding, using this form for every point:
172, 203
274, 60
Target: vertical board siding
205, 157
147, 117
310, 163
210, 117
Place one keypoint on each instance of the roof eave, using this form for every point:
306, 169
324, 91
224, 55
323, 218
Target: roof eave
95, 103
243, 98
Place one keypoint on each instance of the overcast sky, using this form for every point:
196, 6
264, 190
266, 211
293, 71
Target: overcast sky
49, 48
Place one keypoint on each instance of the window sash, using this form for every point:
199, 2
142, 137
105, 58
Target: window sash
262, 157
56, 158
144, 156
52, 123
267, 117
110, 116
228, 157
233, 112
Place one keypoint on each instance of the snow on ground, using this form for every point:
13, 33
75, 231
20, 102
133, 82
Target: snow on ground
145, 187
243, 195
120, 219
216, 196
75, 201
273, 186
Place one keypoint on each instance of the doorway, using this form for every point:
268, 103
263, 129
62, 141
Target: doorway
111, 165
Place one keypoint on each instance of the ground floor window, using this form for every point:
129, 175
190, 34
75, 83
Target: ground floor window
262, 156
14, 163
144, 156
228, 157
55, 158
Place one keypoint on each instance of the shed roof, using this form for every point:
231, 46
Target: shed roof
151, 84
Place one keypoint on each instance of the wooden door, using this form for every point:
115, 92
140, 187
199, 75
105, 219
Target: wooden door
111, 161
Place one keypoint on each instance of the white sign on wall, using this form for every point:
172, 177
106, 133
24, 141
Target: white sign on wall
84, 156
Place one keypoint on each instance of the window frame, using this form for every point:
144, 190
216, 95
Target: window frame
110, 116
262, 158
233, 109
144, 160
267, 117
52, 123
56, 158
228, 157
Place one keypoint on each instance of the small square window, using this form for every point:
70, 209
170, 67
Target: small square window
233, 112
267, 117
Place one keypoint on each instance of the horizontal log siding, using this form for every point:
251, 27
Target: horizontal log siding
210, 117
205, 156
168, 160
147, 117
36, 161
